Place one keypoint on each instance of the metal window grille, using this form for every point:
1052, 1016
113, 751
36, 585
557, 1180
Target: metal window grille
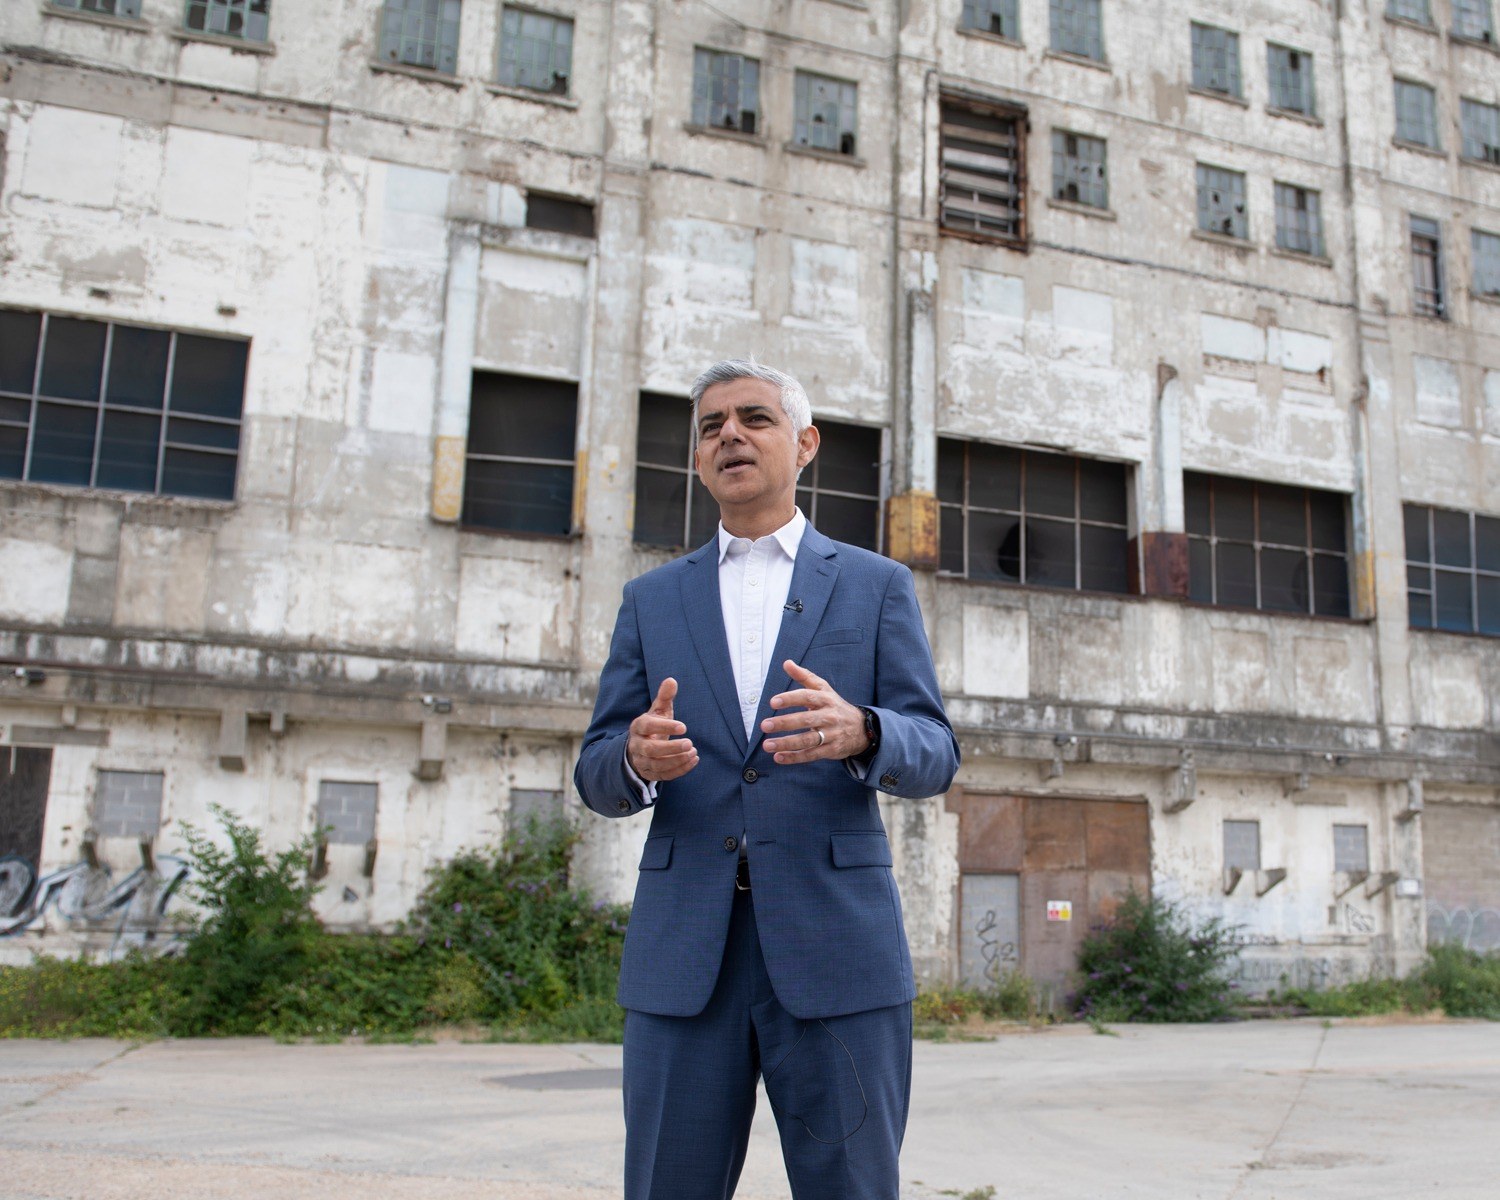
109, 8
992, 16
1480, 123
726, 91
1452, 570
1242, 845
519, 459
346, 812
1486, 263
1299, 220
1419, 11
825, 113
128, 803
1079, 169
839, 491
982, 182
1428, 299
1416, 114
1474, 20
1216, 59
1221, 202
1028, 517
536, 51
421, 33
101, 404
1266, 546
1351, 847
1291, 75
1078, 28
248, 19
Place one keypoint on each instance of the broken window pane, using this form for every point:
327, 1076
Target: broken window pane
1427, 268
1299, 220
1480, 123
1077, 28
1221, 202
726, 90
1473, 20
1283, 580
992, 16
1078, 169
1216, 59
1291, 75
825, 113
248, 19
536, 51
421, 33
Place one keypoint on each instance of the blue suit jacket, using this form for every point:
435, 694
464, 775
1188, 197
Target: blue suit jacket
825, 897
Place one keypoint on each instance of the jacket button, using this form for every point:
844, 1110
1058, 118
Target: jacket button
731, 844
888, 780
623, 806
751, 775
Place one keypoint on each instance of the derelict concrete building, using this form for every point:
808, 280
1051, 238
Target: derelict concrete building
343, 355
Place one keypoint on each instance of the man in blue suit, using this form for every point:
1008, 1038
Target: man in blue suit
759, 692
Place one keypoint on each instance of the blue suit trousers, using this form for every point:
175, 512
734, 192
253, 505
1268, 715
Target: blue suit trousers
839, 1087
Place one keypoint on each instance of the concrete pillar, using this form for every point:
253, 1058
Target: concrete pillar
460, 328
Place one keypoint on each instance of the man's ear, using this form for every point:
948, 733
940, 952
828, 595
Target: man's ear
807, 445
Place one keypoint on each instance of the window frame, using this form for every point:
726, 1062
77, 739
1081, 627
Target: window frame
1428, 300
1089, 14
1276, 71
1414, 12
1238, 182
949, 132
1479, 145
1489, 262
1203, 35
523, 460
804, 113
401, 10
1008, 11
246, 9
1429, 115
1067, 167
1022, 514
707, 57
1259, 545
1311, 204
1474, 572
559, 23
77, 6
1483, 12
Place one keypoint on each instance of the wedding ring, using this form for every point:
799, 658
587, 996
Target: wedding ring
821, 738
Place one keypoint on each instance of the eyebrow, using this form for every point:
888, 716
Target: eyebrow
743, 410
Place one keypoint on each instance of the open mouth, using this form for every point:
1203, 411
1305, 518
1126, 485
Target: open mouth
733, 466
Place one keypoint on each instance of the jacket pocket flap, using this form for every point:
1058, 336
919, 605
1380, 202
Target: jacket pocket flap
861, 849
657, 854
837, 637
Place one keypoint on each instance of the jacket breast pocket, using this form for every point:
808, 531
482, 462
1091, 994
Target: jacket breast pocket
836, 637
657, 855
860, 849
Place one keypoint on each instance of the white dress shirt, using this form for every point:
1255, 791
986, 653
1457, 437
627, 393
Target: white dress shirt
754, 579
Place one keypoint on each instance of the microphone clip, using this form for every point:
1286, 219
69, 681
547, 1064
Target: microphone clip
792, 606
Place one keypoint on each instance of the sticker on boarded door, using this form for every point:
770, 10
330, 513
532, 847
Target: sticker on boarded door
1059, 910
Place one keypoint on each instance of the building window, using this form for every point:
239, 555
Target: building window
1427, 268
1078, 28
108, 8
992, 16
1266, 546
1216, 59
1221, 202
346, 812
1486, 263
99, 404
1473, 20
128, 804
1452, 570
983, 182
536, 51
1416, 114
1291, 75
558, 214
825, 113
1242, 845
1024, 516
1079, 169
518, 472
726, 91
421, 33
248, 19
1299, 219
840, 489
1417, 11
1351, 848
1480, 123
672, 507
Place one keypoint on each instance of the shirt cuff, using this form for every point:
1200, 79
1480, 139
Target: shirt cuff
860, 770
647, 790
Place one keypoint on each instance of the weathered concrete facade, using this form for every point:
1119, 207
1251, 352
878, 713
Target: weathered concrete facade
365, 227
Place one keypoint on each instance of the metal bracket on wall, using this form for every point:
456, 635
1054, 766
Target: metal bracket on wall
1182, 784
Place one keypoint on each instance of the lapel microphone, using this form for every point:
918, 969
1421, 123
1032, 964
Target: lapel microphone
792, 606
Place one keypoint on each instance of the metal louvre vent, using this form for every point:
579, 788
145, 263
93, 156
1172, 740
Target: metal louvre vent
982, 177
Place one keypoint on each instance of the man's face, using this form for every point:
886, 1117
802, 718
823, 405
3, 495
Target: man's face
747, 455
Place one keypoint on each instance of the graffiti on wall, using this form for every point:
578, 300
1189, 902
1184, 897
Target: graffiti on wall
1471, 928
134, 907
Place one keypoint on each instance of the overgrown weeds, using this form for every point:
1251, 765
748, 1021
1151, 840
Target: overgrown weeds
1452, 980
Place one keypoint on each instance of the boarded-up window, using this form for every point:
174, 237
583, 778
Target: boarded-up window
984, 183
1242, 845
1351, 847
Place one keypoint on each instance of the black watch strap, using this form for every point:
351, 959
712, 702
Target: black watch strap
872, 731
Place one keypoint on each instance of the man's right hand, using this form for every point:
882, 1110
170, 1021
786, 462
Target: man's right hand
655, 750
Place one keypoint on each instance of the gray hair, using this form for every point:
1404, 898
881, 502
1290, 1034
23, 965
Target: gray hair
794, 400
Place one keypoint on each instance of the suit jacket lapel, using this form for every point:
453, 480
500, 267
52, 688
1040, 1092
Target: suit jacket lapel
705, 617
813, 578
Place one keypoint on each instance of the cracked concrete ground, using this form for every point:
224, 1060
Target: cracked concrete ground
1234, 1112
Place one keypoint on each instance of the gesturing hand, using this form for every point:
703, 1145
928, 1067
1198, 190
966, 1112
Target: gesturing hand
655, 751
836, 728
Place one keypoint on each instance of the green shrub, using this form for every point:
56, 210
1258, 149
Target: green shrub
1152, 964
1463, 983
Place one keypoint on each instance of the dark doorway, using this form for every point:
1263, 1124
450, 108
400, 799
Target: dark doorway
24, 775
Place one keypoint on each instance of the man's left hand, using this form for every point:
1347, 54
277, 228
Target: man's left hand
830, 727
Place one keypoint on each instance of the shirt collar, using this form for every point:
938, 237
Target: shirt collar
788, 537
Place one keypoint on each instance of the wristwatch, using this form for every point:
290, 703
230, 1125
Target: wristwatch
872, 731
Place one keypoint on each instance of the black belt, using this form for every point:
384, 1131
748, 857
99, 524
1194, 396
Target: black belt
742, 876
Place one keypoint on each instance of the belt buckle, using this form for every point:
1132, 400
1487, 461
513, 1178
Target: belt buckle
742, 876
